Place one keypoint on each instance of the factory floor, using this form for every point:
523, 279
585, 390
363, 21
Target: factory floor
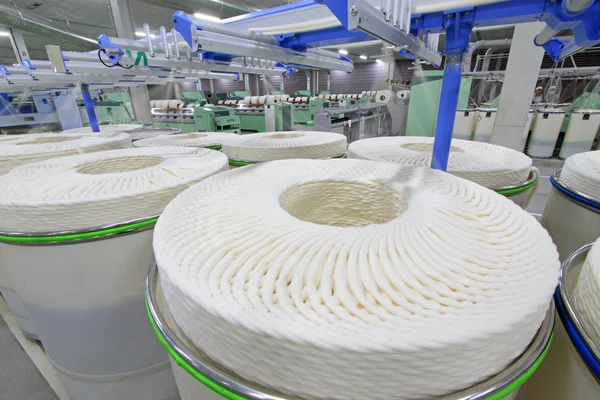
26, 374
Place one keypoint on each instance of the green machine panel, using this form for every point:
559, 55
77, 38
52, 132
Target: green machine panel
424, 101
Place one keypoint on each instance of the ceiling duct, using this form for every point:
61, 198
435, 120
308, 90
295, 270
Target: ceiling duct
13, 17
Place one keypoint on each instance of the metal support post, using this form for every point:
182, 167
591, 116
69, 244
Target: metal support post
328, 82
18, 44
122, 18
212, 87
282, 84
458, 32
520, 80
308, 80
89, 107
257, 84
316, 83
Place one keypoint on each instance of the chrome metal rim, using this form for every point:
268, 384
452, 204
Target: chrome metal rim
253, 391
566, 298
533, 176
583, 199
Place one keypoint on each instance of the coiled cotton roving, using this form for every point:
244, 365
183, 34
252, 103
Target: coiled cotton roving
586, 295
99, 189
105, 128
581, 173
353, 279
23, 149
270, 146
492, 166
196, 139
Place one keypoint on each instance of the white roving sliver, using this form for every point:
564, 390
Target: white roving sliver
353, 279
28, 148
196, 139
492, 166
581, 172
270, 146
586, 295
99, 189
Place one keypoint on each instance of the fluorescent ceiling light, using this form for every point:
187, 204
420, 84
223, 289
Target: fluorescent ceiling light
363, 57
378, 60
207, 17
4, 33
142, 34
343, 52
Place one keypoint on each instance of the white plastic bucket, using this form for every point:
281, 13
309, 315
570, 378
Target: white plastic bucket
581, 132
568, 371
464, 124
545, 132
571, 218
199, 378
485, 125
85, 293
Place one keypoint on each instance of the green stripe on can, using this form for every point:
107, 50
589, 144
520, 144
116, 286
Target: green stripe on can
78, 236
515, 191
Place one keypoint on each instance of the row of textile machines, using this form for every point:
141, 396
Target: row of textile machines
239, 111
27, 111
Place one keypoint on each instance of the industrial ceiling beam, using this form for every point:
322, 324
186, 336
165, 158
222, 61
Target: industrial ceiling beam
14, 17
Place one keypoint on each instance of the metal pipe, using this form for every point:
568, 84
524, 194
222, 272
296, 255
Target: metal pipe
163, 36
215, 27
408, 15
399, 11
89, 107
175, 43
576, 6
544, 36
149, 39
447, 111
16, 18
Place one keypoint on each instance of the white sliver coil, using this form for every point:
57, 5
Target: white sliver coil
105, 128
581, 172
352, 279
494, 167
196, 139
270, 146
98, 189
586, 295
23, 149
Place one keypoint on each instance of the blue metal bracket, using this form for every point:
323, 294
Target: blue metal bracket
185, 26
89, 107
3, 71
553, 47
28, 66
209, 55
113, 52
585, 26
290, 70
